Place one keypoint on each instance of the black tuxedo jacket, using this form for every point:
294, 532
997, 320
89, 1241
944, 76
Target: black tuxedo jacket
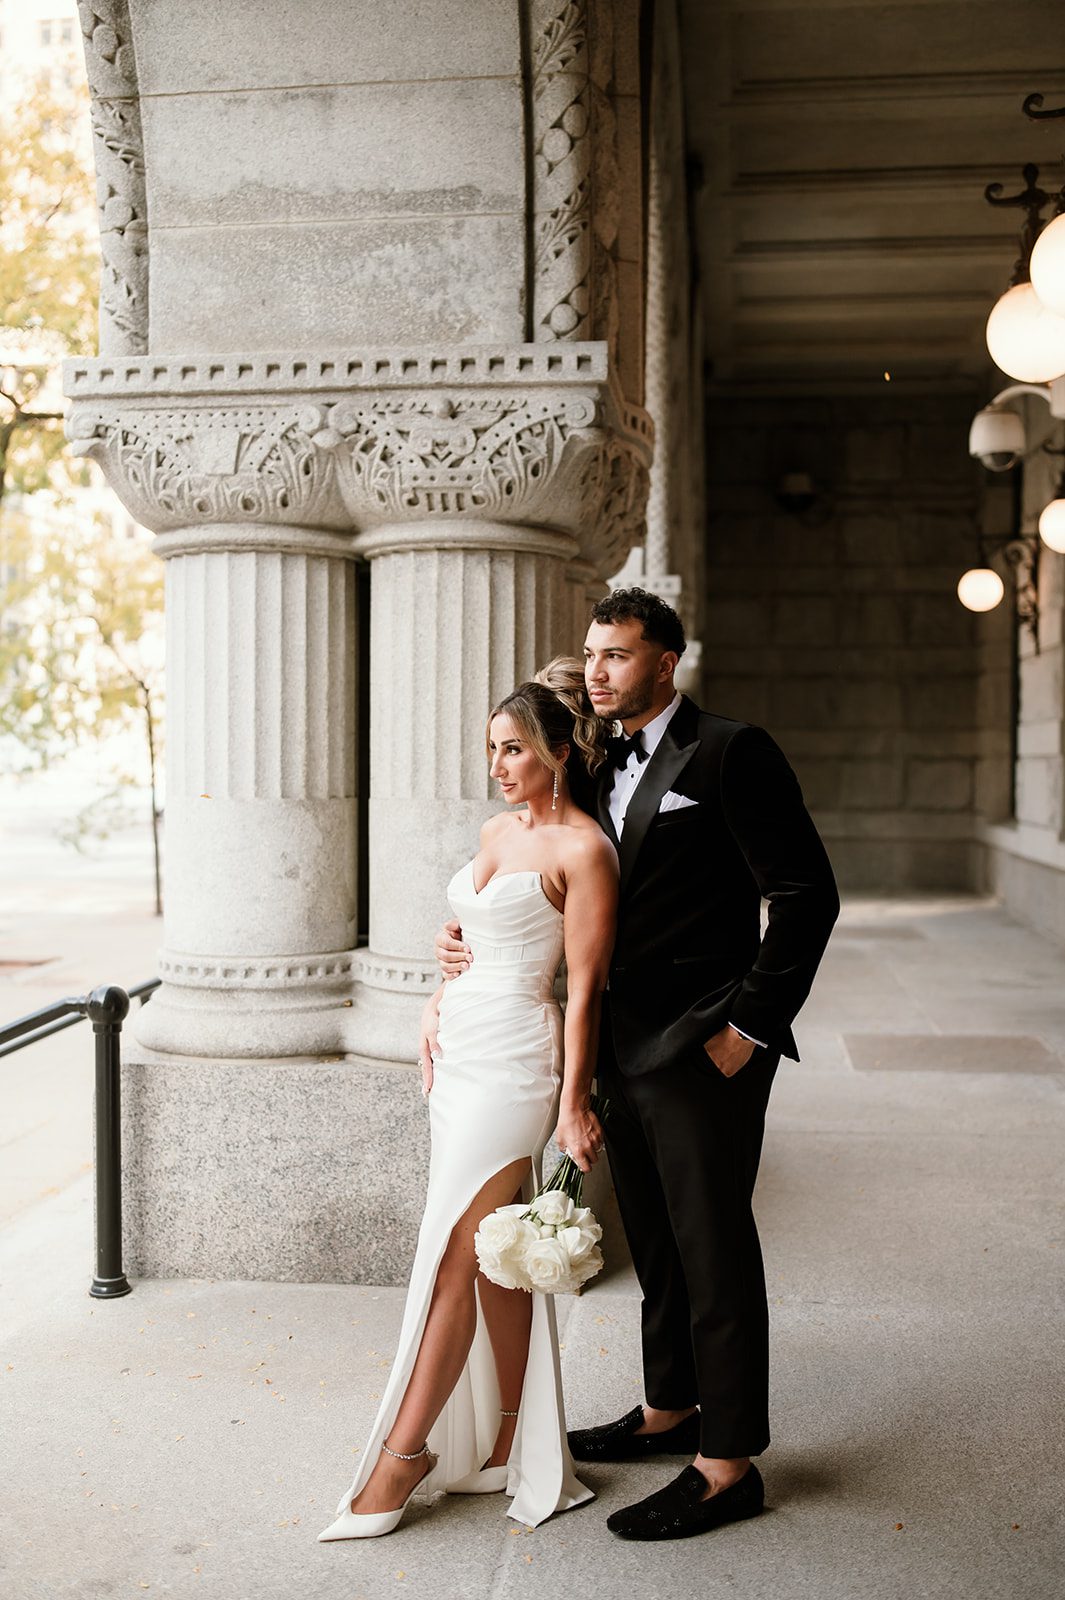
689, 955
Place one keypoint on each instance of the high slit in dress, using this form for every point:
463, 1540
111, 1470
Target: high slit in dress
494, 1100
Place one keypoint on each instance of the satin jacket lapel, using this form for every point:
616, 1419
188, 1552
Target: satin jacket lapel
675, 750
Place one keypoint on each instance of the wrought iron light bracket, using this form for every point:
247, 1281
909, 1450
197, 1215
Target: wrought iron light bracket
1020, 552
1031, 200
1033, 108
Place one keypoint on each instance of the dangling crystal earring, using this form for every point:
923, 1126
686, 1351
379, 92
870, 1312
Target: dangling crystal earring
554, 794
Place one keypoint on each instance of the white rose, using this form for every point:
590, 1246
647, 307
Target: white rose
500, 1243
578, 1241
547, 1266
506, 1270
555, 1208
500, 1231
587, 1267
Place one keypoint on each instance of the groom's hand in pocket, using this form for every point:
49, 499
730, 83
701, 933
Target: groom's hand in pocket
729, 1051
453, 957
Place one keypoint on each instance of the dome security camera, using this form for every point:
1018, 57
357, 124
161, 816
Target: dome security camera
996, 438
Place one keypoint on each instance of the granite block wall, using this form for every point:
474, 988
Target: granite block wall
839, 630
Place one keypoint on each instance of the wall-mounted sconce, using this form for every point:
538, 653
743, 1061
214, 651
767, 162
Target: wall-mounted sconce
1025, 334
982, 589
801, 497
1052, 517
1052, 521
1047, 265
1026, 339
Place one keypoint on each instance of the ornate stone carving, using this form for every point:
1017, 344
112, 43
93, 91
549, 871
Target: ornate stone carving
561, 118
120, 183
673, 367
506, 457
196, 465
606, 186
558, 451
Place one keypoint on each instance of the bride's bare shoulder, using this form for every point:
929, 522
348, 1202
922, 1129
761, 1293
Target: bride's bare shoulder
587, 849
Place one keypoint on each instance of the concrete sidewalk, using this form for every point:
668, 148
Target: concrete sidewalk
192, 1438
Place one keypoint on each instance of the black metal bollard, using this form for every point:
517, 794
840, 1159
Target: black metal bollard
107, 1009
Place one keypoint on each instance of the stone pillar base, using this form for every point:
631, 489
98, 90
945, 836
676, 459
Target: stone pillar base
248, 1006
287, 1170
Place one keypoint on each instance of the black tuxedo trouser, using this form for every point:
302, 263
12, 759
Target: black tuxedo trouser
683, 1144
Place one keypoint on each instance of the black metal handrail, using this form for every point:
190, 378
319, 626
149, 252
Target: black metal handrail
107, 1009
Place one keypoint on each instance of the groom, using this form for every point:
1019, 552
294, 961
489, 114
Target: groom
708, 819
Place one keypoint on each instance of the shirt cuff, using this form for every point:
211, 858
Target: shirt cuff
749, 1036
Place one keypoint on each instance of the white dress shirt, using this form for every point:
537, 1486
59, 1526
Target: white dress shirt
627, 777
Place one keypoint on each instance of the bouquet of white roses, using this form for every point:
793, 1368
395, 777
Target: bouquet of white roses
550, 1245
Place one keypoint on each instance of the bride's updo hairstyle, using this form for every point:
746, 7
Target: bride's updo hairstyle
553, 709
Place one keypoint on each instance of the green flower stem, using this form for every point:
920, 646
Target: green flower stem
568, 1176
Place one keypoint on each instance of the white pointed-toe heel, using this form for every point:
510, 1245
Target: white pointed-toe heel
489, 1480
372, 1524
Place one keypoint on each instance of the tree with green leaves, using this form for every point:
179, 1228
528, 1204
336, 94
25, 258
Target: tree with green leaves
81, 647
80, 606
49, 271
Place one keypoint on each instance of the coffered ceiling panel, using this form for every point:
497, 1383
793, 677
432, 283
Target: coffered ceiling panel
844, 148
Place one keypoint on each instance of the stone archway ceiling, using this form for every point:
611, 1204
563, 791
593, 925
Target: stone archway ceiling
841, 230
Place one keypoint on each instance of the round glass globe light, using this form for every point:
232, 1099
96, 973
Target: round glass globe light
1048, 266
1052, 526
980, 589
1026, 340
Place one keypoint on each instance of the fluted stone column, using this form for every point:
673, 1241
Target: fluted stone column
260, 810
454, 626
260, 807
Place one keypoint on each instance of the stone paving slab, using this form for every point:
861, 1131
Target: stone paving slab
950, 1052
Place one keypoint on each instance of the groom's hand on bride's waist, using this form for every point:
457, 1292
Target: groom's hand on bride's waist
453, 957
729, 1050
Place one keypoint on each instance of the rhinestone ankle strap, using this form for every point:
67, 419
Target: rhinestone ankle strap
399, 1453
503, 1413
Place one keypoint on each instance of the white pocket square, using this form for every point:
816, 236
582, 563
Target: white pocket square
675, 802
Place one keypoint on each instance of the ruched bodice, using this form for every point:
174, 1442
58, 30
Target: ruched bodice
494, 1100
513, 931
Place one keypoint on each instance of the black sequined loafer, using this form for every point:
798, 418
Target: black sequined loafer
619, 1441
679, 1510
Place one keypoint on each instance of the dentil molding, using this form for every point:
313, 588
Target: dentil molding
532, 435
331, 970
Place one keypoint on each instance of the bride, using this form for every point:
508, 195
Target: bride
474, 1400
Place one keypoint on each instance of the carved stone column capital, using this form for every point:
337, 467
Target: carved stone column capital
531, 436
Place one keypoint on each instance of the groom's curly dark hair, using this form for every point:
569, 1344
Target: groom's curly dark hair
661, 625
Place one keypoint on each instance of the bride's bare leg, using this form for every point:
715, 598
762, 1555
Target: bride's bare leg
446, 1341
508, 1318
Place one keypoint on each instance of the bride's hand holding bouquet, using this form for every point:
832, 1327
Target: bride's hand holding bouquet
551, 1245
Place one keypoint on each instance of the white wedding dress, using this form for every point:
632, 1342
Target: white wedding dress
494, 1099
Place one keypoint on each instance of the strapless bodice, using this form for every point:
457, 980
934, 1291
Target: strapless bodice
513, 931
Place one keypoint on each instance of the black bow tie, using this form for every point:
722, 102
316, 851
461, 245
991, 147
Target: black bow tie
619, 750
